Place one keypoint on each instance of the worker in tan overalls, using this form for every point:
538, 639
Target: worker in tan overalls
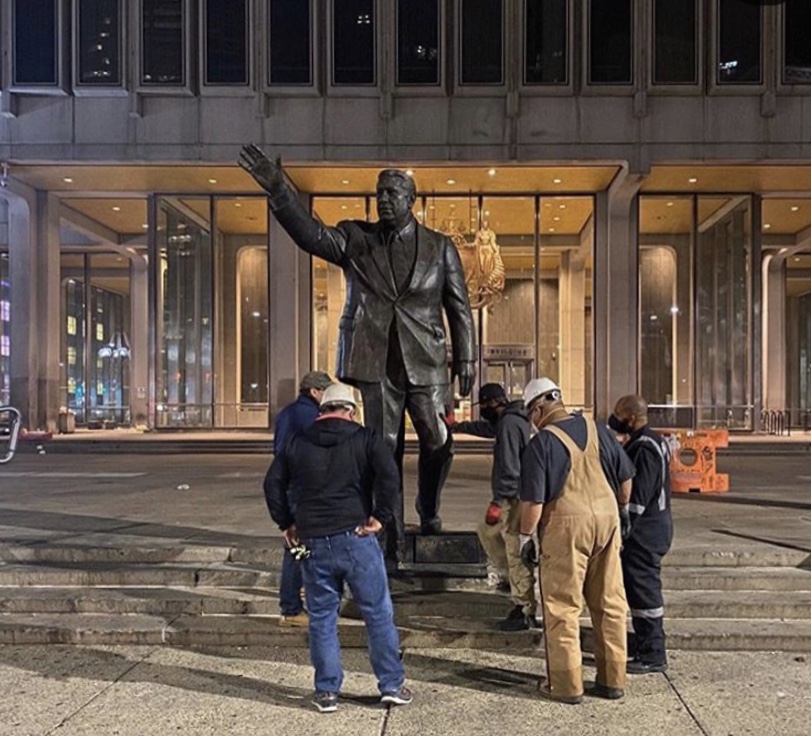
569, 473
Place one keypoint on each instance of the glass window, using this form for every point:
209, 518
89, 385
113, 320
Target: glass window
674, 42
289, 35
482, 39
739, 42
242, 318
226, 39
353, 42
723, 312
35, 42
610, 42
666, 236
163, 42
99, 40
545, 29
417, 42
796, 46
184, 329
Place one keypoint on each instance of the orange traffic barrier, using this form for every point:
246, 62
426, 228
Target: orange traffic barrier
692, 464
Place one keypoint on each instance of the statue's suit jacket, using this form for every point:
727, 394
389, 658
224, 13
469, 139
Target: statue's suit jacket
373, 302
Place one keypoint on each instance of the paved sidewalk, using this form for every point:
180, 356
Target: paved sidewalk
140, 691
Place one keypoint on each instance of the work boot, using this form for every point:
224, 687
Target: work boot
640, 667
517, 620
431, 526
606, 692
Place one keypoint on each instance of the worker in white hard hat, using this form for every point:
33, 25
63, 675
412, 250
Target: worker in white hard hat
573, 473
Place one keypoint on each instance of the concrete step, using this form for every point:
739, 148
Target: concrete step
159, 601
736, 578
66, 554
270, 558
423, 632
202, 600
433, 578
713, 604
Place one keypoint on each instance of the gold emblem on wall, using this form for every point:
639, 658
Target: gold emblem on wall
481, 260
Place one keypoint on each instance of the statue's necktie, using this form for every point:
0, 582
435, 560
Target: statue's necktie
401, 255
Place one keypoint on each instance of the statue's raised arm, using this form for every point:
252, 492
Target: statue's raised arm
268, 172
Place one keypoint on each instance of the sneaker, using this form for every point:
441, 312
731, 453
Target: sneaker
606, 692
299, 620
517, 620
401, 696
638, 667
326, 702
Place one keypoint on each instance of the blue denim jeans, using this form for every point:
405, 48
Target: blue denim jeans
358, 561
290, 586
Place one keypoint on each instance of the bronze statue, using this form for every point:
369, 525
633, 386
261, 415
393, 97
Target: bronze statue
400, 276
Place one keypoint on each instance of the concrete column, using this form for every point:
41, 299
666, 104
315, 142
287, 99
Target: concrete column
572, 319
774, 333
22, 232
616, 275
290, 317
139, 340
49, 324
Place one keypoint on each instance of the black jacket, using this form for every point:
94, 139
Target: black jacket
651, 522
374, 304
511, 433
330, 478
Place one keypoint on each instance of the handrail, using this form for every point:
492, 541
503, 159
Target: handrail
13, 432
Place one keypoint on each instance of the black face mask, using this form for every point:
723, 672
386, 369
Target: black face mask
619, 426
489, 414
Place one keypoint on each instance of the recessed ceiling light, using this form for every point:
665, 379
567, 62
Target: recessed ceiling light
692, 180
410, 172
557, 181
343, 206
561, 206
344, 181
551, 229
795, 208
670, 204
487, 213
491, 172
145, 226
237, 204
451, 181
452, 206
67, 180
796, 259
431, 207
116, 209
212, 181
766, 226
556, 219
547, 204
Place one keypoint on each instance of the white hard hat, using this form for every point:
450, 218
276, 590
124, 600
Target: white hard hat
339, 393
538, 387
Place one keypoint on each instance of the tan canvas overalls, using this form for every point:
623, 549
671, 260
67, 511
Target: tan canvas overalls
580, 557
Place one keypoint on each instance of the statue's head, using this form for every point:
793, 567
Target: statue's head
396, 194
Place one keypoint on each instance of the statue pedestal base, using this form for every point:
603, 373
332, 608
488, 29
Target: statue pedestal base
445, 548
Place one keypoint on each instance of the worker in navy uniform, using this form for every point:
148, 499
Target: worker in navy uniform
401, 277
649, 536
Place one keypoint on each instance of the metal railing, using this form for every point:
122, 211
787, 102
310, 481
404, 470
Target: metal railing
9, 432
776, 421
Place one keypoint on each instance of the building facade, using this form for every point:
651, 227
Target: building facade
643, 166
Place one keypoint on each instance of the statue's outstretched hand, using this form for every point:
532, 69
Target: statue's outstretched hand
466, 371
267, 172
